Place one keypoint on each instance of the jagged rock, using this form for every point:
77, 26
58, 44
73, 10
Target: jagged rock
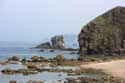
106, 33
37, 58
58, 42
45, 45
14, 58
34, 81
52, 50
59, 58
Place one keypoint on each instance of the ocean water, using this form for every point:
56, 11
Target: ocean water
22, 49
47, 77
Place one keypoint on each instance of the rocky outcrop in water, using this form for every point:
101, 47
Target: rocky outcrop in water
106, 33
58, 42
12, 81
13, 58
45, 45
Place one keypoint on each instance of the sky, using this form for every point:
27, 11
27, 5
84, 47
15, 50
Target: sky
35, 20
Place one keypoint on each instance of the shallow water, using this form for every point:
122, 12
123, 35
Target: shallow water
6, 52
47, 77
23, 50
63, 67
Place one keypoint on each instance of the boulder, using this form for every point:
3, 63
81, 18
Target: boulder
58, 42
106, 33
8, 71
52, 50
34, 81
37, 58
14, 58
12, 81
59, 58
45, 45
24, 60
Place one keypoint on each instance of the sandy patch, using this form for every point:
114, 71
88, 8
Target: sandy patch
115, 68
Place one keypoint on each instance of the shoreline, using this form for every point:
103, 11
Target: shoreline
114, 68
70, 68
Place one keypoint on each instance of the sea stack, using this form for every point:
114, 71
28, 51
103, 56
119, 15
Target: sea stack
58, 42
106, 33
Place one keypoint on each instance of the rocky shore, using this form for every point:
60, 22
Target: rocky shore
38, 64
105, 79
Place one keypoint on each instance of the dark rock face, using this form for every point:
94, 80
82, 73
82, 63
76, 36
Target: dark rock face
58, 42
105, 33
45, 45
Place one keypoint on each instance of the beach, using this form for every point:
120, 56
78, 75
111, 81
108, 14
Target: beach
115, 68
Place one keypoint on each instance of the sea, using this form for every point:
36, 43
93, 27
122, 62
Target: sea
27, 50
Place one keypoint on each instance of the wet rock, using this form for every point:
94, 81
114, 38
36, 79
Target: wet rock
60, 75
13, 62
89, 59
101, 79
72, 53
14, 58
52, 50
42, 50
4, 62
31, 66
8, 71
70, 49
58, 42
12, 81
27, 72
59, 81
20, 71
106, 33
41, 57
45, 45
33, 81
24, 60
71, 74
59, 58
37, 59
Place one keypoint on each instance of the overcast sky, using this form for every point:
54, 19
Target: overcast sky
34, 20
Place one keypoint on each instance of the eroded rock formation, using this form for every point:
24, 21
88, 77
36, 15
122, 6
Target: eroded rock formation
58, 42
105, 33
45, 45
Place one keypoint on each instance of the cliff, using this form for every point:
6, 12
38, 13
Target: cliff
106, 33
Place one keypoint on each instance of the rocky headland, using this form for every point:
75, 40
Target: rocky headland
104, 34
